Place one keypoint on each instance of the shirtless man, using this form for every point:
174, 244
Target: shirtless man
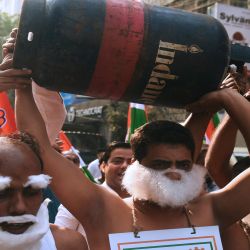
18, 161
163, 149
24, 220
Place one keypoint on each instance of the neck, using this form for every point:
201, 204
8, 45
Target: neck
144, 209
121, 192
145, 206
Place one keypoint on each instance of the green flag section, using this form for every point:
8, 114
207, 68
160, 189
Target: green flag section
136, 118
88, 174
212, 125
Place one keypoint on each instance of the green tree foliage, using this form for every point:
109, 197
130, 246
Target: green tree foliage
165, 113
7, 23
116, 118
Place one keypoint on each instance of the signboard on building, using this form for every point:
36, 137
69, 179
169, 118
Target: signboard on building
94, 112
236, 21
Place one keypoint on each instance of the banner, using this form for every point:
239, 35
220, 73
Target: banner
7, 117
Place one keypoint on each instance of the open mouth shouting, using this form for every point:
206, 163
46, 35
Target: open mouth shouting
15, 228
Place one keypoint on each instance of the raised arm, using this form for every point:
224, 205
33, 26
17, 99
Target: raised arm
75, 191
219, 152
51, 107
232, 202
222, 144
197, 124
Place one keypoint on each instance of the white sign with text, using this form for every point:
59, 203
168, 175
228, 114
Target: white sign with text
205, 238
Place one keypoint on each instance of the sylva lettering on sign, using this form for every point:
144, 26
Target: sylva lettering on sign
234, 19
161, 72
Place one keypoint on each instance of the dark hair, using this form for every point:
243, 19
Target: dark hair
112, 146
156, 132
101, 150
27, 139
240, 166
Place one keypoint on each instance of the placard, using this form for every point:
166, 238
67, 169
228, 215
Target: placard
205, 238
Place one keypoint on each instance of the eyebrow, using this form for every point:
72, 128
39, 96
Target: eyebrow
38, 181
184, 161
118, 158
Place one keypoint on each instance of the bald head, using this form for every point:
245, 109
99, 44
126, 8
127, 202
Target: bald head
16, 149
19, 161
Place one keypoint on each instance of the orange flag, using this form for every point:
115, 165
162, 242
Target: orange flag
66, 142
7, 117
68, 146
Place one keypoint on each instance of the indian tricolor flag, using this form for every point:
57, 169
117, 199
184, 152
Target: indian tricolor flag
67, 146
7, 117
212, 125
136, 117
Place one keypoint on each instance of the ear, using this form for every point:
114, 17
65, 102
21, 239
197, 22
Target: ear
102, 167
133, 160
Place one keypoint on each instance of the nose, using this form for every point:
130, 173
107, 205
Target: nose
173, 176
125, 163
18, 206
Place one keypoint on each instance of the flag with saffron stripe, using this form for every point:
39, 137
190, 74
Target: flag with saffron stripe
67, 146
7, 117
212, 125
136, 117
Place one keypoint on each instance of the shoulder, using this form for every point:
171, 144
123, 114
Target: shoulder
67, 239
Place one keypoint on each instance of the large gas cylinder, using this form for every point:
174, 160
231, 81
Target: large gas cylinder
121, 50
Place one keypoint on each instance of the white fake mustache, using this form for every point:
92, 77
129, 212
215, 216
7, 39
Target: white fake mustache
26, 218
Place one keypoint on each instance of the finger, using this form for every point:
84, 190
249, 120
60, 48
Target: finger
229, 79
60, 143
14, 33
232, 86
9, 46
11, 40
15, 72
15, 80
7, 64
247, 94
228, 75
8, 86
5, 52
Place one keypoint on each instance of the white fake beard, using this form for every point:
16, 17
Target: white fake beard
30, 239
144, 183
